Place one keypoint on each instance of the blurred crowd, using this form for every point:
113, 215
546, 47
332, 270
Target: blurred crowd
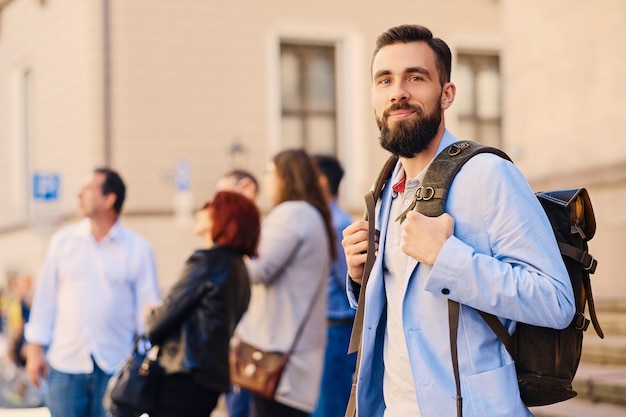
15, 302
268, 276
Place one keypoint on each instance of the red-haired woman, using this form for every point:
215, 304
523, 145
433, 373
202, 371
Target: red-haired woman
194, 323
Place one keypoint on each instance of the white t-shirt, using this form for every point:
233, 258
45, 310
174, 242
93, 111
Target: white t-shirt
398, 384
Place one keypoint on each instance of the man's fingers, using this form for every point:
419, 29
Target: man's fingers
33, 376
357, 261
356, 248
423, 237
356, 227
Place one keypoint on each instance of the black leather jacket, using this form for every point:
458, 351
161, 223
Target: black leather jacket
194, 324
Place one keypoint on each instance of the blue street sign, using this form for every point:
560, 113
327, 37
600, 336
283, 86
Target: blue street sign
182, 175
46, 186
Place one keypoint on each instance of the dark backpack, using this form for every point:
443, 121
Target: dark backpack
546, 359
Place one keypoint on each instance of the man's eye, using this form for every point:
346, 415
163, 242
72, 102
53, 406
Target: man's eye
416, 78
384, 81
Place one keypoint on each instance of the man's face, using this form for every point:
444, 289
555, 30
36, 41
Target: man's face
244, 186
407, 97
91, 200
203, 223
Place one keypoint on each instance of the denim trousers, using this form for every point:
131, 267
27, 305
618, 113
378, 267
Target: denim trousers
238, 402
76, 395
337, 374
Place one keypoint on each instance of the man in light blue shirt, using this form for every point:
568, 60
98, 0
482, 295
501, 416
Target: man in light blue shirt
492, 250
88, 306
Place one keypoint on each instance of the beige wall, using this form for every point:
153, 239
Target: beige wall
58, 44
563, 62
189, 81
565, 111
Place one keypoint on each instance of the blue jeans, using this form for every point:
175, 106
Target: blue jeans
238, 402
76, 395
337, 374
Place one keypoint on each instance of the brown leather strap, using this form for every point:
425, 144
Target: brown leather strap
442, 171
497, 327
589, 264
351, 408
583, 257
370, 207
439, 176
357, 327
454, 310
592, 306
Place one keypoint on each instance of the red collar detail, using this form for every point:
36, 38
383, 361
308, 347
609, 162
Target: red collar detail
399, 186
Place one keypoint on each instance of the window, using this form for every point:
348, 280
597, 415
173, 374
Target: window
26, 124
14, 150
308, 103
21, 172
479, 98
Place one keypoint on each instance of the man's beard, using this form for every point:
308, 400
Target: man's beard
409, 137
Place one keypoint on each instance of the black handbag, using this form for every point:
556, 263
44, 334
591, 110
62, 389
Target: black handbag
134, 388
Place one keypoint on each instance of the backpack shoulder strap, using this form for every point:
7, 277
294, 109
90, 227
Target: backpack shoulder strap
430, 200
382, 178
433, 191
357, 328
370, 206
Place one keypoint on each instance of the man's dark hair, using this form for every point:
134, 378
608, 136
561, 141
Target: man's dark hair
113, 184
240, 174
330, 167
417, 33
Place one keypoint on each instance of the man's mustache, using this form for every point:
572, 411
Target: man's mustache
401, 106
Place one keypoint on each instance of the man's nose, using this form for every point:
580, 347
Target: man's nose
399, 93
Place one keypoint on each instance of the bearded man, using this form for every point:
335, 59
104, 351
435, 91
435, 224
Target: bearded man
492, 250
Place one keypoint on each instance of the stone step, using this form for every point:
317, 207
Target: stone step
611, 322
601, 383
601, 393
610, 350
579, 408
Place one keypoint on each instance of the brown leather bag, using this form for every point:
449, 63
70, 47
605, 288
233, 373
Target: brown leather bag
256, 370
259, 371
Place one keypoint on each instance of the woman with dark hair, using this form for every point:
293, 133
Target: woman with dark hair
196, 320
289, 275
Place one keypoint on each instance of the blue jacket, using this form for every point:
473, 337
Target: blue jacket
502, 259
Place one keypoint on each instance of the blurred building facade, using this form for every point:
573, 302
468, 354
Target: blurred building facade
173, 94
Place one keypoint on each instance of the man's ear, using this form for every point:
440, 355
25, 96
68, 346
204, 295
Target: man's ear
323, 182
448, 94
246, 187
109, 200
243, 183
325, 186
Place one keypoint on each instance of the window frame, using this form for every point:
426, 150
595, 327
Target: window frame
478, 58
